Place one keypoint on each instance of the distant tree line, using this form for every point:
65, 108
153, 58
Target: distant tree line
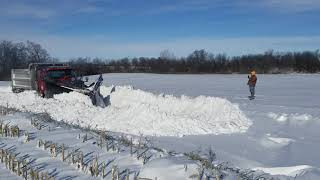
19, 55
201, 61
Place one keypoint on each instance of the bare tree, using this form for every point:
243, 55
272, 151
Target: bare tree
167, 55
19, 55
36, 53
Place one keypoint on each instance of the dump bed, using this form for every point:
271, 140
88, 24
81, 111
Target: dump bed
21, 79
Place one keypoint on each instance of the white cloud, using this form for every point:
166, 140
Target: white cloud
69, 47
89, 9
22, 10
287, 6
184, 6
44, 11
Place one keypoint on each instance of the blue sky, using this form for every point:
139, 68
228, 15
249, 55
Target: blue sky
128, 28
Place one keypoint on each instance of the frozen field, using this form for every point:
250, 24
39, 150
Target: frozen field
277, 133
285, 116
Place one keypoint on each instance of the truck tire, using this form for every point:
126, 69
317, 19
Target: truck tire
17, 90
48, 94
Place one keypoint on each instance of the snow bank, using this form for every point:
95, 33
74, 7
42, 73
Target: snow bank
138, 112
5, 86
287, 171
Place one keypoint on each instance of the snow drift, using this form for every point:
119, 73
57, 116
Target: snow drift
138, 112
292, 171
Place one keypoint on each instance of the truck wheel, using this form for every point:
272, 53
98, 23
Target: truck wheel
48, 94
14, 90
17, 90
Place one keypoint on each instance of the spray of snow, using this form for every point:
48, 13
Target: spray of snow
138, 112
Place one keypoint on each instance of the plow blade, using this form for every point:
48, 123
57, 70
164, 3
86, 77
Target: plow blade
96, 97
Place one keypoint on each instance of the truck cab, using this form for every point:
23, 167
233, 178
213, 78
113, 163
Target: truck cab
48, 80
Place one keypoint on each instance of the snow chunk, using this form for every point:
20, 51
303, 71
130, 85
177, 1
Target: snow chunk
168, 169
275, 142
280, 118
138, 112
292, 117
282, 141
301, 117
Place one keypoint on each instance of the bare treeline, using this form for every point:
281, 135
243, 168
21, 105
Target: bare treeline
201, 61
19, 55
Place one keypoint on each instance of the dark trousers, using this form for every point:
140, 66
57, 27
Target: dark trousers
252, 90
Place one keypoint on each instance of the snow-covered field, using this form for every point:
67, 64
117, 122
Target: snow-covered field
277, 133
285, 116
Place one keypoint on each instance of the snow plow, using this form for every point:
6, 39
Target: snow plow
48, 79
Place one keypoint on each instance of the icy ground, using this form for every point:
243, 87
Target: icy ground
277, 133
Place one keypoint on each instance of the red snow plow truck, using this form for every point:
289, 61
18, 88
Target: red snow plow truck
48, 79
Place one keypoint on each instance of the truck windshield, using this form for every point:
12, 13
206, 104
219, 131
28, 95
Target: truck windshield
57, 74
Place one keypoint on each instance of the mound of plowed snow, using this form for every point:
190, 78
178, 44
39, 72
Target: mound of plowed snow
138, 112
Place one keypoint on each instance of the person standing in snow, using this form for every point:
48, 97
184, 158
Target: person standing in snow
252, 83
